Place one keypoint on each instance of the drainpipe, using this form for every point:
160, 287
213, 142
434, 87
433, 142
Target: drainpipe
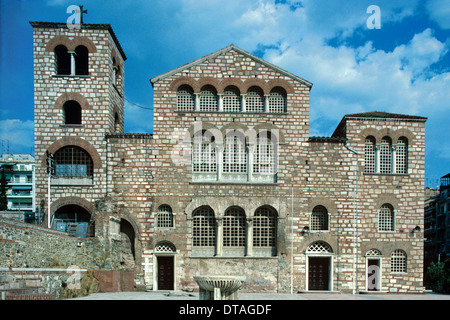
355, 271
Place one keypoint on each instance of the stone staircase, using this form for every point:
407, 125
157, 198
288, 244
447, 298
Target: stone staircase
25, 288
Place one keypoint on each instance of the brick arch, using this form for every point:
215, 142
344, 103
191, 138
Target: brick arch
203, 125
257, 83
84, 41
54, 42
73, 141
403, 132
385, 132
70, 44
207, 81
61, 202
230, 82
280, 83
386, 198
67, 96
272, 128
174, 85
369, 132
327, 203
234, 126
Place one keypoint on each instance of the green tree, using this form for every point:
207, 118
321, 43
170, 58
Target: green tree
3, 199
435, 276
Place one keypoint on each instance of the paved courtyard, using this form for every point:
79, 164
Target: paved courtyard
262, 296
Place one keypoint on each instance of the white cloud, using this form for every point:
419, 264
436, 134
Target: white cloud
439, 11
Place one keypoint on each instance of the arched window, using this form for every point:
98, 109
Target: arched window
386, 218
203, 228
277, 100
116, 122
264, 156
231, 99
73, 162
234, 227
398, 261
319, 247
81, 61
72, 112
165, 247
255, 100
386, 155
319, 219
235, 153
185, 98
204, 156
164, 217
369, 155
265, 228
208, 99
62, 60
373, 253
401, 156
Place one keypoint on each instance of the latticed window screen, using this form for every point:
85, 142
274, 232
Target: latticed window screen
164, 217
234, 228
264, 157
369, 154
319, 219
234, 154
231, 99
203, 228
204, 158
386, 218
185, 98
401, 156
208, 99
319, 247
165, 247
386, 155
255, 100
398, 261
277, 100
373, 253
264, 228
72, 161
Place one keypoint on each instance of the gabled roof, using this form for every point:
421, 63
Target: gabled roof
340, 130
225, 50
384, 115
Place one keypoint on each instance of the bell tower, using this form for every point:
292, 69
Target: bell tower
78, 99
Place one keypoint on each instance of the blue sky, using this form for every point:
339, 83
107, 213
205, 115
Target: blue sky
403, 67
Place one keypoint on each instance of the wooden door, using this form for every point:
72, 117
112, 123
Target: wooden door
165, 273
319, 273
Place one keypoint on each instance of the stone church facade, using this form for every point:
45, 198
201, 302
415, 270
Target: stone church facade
230, 182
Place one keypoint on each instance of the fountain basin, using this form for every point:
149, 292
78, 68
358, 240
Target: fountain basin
219, 287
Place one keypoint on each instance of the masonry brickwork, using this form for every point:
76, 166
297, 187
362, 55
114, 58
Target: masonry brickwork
135, 175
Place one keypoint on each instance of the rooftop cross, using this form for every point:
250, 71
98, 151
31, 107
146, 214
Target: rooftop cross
81, 14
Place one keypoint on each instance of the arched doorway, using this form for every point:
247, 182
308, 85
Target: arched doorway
74, 220
319, 264
128, 250
164, 279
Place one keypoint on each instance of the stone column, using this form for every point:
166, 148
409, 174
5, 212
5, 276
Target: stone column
72, 62
249, 237
219, 236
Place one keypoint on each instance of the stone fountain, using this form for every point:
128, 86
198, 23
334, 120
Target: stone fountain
219, 287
